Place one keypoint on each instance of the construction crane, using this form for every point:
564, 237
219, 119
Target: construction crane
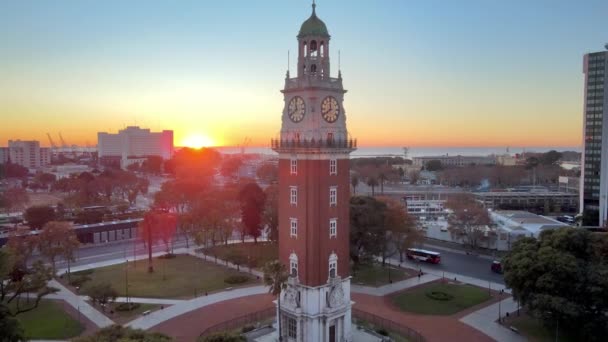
53, 146
245, 143
63, 144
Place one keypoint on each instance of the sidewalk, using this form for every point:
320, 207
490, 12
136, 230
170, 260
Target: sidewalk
79, 304
485, 319
394, 287
159, 316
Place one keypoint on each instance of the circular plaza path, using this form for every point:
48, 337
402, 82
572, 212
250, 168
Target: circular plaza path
187, 327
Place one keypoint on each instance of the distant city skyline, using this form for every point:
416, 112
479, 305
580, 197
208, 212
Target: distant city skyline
470, 73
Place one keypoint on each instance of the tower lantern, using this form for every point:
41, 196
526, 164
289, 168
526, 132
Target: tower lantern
314, 192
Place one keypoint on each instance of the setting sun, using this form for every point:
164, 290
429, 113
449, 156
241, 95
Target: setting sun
197, 141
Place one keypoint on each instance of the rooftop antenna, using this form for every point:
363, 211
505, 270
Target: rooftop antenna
288, 63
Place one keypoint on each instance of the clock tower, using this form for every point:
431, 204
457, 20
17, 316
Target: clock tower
314, 190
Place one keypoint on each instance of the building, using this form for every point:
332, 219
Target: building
506, 160
26, 153
428, 203
314, 190
513, 225
133, 143
594, 178
569, 184
537, 201
455, 160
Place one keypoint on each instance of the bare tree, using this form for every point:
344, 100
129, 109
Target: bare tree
469, 221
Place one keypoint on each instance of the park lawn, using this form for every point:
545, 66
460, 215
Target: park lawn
258, 254
464, 296
49, 321
533, 329
373, 274
181, 277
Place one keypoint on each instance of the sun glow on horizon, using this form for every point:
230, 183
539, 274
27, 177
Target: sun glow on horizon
197, 140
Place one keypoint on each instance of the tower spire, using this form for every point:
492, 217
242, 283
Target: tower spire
313, 7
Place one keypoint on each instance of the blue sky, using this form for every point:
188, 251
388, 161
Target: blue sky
419, 73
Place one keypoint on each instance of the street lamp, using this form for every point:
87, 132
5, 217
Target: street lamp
499, 308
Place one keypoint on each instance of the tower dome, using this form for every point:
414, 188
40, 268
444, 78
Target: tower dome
313, 26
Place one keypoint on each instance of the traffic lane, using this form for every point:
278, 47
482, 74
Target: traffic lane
467, 265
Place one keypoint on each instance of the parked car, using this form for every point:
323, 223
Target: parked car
496, 267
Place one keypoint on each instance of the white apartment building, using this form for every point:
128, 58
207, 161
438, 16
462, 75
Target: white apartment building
26, 153
134, 142
455, 160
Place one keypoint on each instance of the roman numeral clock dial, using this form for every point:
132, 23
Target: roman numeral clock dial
296, 109
330, 109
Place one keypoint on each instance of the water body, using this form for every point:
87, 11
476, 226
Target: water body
421, 151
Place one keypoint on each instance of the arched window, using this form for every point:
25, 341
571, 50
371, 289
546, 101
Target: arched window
322, 49
313, 48
305, 48
313, 69
293, 265
333, 265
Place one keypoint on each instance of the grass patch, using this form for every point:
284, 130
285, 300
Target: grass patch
373, 274
463, 296
179, 277
256, 254
49, 321
534, 330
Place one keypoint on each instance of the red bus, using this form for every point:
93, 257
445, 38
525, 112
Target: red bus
423, 255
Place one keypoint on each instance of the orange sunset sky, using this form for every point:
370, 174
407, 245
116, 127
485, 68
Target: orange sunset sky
471, 73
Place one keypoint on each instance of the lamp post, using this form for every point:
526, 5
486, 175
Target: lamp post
499, 308
127, 281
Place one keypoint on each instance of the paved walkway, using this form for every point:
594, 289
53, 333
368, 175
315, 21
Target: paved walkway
485, 320
188, 326
159, 316
79, 304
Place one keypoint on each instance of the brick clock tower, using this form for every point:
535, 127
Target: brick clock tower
314, 190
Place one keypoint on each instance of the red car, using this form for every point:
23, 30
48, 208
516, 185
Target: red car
496, 267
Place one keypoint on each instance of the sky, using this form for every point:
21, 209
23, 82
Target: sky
418, 73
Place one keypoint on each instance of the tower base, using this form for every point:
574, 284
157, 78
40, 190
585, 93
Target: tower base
316, 314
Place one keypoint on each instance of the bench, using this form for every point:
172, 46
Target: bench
228, 288
147, 312
514, 329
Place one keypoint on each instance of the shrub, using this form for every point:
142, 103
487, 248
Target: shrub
168, 256
382, 331
247, 329
236, 279
439, 295
222, 337
127, 306
78, 281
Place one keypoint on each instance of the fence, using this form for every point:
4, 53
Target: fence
387, 324
240, 321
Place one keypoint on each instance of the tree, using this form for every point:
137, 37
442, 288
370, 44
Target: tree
45, 179
468, 221
252, 199
12, 170
38, 216
373, 183
550, 158
15, 283
433, 165
268, 172
562, 278
157, 225
14, 198
58, 239
119, 333
367, 228
414, 176
10, 329
271, 212
236, 257
231, 166
275, 277
354, 181
102, 294
22, 245
401, 225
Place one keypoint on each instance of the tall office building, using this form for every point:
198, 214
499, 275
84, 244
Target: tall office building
594, 175
134, 142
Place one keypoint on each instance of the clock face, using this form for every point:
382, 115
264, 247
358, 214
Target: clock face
330, 109
296, 109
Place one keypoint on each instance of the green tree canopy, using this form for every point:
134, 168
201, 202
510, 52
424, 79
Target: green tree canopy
563, 277
38, 216
367, 227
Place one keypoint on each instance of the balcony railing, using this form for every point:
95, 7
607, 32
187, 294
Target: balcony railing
278, 144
